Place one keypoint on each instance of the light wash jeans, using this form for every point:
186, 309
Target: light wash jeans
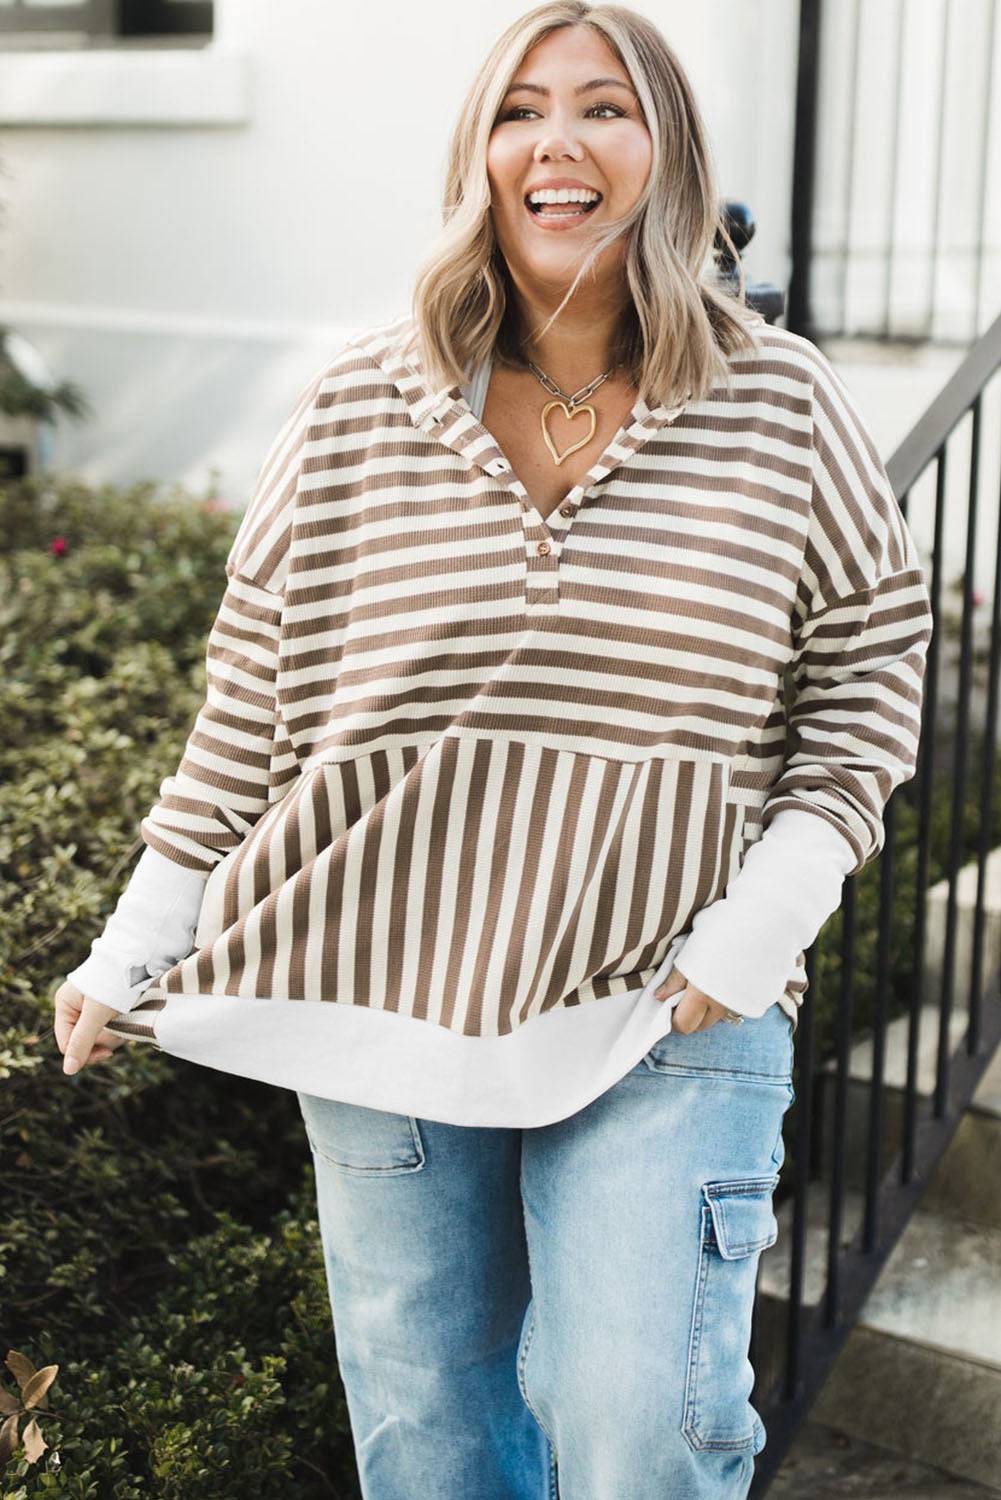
564, 1310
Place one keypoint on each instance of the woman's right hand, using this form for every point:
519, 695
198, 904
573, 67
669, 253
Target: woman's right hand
79, 1028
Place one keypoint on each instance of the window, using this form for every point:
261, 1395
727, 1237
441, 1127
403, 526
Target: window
102, 23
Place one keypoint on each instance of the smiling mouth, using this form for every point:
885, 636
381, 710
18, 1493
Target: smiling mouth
562, 210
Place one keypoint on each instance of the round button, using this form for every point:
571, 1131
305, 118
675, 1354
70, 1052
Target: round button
566, 510
542, 549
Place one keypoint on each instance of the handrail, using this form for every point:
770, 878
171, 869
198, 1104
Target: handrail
945, 412
891, 1171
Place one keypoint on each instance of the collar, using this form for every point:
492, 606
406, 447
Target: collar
444, 414
428, 408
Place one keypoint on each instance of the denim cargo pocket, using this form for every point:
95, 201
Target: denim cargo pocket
364, 1141
737, 1222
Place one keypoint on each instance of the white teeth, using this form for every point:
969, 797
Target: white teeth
564, 195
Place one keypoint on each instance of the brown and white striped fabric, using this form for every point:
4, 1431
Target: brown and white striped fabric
469, 766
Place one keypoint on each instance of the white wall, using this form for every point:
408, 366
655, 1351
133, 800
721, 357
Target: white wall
198, 232
908, 206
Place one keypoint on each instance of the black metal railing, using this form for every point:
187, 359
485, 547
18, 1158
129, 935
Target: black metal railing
945, 816
895, 116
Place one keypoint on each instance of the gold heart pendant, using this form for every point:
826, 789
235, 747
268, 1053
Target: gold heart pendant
570, 415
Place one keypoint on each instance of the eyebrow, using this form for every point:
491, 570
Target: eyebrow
596, 83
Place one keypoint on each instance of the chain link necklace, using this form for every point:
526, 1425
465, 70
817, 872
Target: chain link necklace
573, 406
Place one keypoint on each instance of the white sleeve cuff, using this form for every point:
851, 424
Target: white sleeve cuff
743, 948
151, 928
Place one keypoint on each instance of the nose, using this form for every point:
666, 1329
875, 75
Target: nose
556, 144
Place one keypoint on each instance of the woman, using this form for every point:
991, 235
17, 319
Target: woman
494, 735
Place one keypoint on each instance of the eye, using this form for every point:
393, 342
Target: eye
518, 111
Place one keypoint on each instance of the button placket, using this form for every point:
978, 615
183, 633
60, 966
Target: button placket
542, 549
544, 542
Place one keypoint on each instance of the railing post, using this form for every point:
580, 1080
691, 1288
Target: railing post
764, 296
800, 310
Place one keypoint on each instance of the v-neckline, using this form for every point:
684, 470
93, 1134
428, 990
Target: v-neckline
643, 421
446, 416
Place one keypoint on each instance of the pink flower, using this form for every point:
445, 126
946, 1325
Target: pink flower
57, 546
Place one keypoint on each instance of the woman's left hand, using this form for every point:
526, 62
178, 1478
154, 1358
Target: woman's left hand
79, 1027
696, 1011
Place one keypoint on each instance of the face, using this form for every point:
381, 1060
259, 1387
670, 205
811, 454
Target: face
570, 120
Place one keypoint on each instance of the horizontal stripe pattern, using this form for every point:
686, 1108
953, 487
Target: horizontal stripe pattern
466, 763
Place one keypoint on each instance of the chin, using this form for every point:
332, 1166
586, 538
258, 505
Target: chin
551, 260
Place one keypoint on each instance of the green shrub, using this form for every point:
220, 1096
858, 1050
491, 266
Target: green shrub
158, 1241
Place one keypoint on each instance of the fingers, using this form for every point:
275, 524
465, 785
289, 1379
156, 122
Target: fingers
80, 1032
108, 1042
694, 1011
78, 1049
674, 982
97, 1055
63, 1027
82, 1055
692, 1014
68, 1002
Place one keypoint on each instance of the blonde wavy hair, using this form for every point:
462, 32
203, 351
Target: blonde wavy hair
682, 322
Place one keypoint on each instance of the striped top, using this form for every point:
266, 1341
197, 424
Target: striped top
463, 770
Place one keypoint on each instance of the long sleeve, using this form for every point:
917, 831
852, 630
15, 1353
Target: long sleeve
151, 928
221, 786
743, 948
861, 627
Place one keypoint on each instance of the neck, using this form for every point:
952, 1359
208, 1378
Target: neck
580, 344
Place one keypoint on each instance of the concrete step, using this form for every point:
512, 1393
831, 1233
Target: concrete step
920, 1373
966, 1183
940, 1286
860, 1060
773, 1277
967, 1180
825, 1463
926, 1405
936, 903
